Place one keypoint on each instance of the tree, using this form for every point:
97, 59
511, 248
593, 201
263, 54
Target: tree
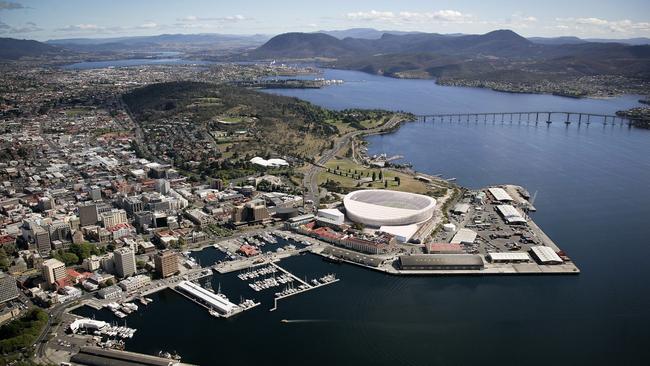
9, 248
381, 175
84, 250
374, 176
67, 258
398, 180
4, 260
385, 184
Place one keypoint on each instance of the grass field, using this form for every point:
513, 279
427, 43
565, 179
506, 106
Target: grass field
77, 111
346, 166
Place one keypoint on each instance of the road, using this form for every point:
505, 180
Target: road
310, 180
54, 314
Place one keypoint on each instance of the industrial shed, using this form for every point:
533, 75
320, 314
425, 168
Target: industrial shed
510, 214
508, 257
441, 262
464, 236
500, 194
545, 255
353, 256
94, 356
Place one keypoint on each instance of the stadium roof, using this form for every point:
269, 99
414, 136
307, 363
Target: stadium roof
377, 207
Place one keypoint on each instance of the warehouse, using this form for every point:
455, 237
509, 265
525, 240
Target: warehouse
510, 214
401, 233
443, 248
508, 257
500, 194
464, 236
330, 216
460, 208
441, 262
545, 255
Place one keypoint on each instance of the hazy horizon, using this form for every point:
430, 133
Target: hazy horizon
49, 20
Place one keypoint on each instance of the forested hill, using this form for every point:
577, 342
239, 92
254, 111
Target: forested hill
183, 120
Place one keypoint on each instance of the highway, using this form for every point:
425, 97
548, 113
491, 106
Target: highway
310, 180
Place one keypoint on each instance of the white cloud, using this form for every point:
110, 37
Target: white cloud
595, 26
230, 18
94, 28
148, 25
440, 16
81, 27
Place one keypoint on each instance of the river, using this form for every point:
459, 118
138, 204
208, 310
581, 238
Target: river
592, 195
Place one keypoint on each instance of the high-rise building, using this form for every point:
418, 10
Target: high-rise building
217, 184
8, 288
59, 230
95, 193
42, 241
53, 270
88, 214
133, 204
124, 259
166, 263
254, 210
162, 186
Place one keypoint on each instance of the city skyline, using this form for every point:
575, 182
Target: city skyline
43, 20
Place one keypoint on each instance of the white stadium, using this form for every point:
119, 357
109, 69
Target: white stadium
377, 207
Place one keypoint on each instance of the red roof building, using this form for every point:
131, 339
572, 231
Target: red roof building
248, 250
444, 248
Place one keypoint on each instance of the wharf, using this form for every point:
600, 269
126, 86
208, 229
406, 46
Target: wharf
289, 273
311, 287
218, 315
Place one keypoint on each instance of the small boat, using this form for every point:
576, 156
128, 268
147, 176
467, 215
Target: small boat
333, 259
284, 321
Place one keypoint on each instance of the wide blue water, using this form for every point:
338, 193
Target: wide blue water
593, 198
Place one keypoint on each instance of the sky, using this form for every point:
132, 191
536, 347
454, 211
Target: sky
55, 19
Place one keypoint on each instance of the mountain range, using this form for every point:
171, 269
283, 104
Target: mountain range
495, 55
438, 55
14, 49
161, 42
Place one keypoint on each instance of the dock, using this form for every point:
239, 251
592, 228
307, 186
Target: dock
304, 286
309, 288
289, 273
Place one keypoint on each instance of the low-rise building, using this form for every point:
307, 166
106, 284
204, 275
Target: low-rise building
134, 283
8, 288
110, 292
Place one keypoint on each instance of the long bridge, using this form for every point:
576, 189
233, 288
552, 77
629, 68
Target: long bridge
528, 118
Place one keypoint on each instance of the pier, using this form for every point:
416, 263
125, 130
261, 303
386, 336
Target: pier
305, 287
535, 118
217, 304
289, 273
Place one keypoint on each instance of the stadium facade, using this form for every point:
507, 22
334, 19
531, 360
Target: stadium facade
375, 207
